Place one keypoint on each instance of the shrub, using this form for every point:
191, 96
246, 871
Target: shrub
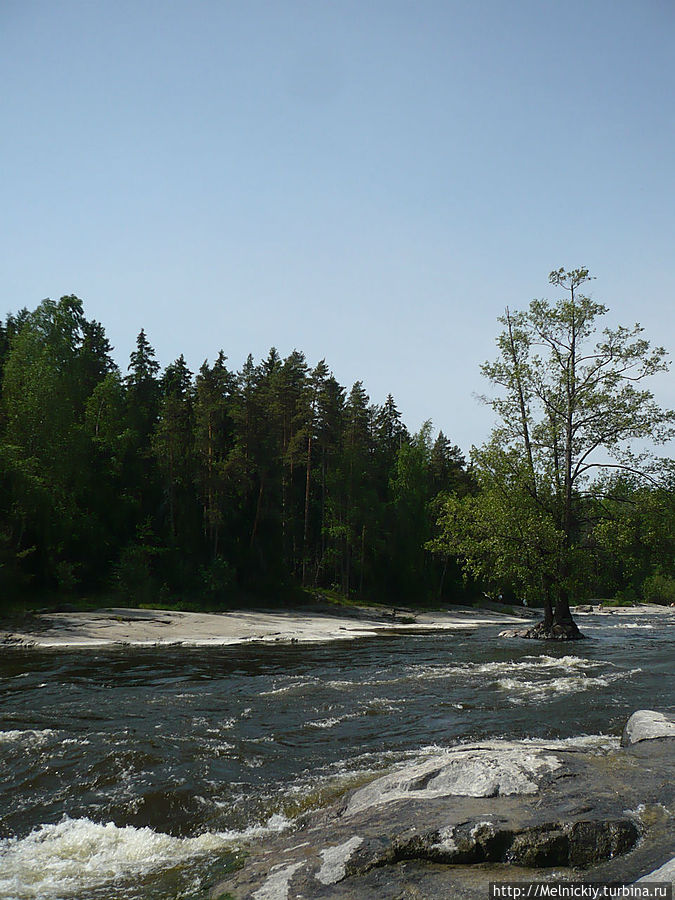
626, 597
659, 588
217, 578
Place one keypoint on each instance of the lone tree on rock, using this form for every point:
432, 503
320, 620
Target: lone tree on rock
571, 401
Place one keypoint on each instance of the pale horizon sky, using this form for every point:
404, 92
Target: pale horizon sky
371, 182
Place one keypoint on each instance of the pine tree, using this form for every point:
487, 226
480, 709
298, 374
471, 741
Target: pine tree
143, 388
173, 446
214, 439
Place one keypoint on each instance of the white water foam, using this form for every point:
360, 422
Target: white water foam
587, 742
371, 707
523, 690
30, 735
526, 663
77, 855
470, 670
332, 721
284, 689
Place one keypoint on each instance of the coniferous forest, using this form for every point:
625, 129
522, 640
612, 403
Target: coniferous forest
214, 484
229, 486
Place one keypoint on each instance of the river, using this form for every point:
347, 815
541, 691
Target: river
137, 774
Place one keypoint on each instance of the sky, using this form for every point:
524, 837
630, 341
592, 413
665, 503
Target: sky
368, 181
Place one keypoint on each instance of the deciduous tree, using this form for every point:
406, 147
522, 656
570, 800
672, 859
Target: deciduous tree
571, 404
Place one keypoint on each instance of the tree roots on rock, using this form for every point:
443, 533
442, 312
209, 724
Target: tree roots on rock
544, 632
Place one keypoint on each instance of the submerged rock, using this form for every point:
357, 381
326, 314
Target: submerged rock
452, 822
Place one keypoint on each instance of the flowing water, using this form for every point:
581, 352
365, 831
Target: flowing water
135, 775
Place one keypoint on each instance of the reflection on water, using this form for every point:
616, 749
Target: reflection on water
144, 769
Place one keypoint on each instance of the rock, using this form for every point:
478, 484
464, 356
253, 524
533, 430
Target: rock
550, 844
593, 841
335, 861
541, 632
466, 772
447, 825
565, 632
666, 873
276, 887
647, 725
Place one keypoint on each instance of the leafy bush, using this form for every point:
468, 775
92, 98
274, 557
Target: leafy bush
659, 588
134, 573
217, 578
626, 597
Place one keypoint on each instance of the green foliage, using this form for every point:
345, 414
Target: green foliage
659, 588
135, 574
218, 579
54, 359
570, 403
634, 535
501, 538
166, 485
622, 599
176, 488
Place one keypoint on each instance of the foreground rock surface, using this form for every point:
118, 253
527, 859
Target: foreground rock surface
447, 825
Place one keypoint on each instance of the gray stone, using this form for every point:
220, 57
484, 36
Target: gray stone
647, 725
447, 825
335, 860
277, 885
666, 873
465, 772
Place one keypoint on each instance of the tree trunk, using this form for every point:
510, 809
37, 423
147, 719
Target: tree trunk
257, 513
548, 606
305, 530
521, 404
442, 582
558, 624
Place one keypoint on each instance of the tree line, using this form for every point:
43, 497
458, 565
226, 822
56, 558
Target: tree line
168, 483
227, 486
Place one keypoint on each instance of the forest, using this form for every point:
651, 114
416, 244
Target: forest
230, 487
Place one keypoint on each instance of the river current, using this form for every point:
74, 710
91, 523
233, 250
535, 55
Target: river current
137, 774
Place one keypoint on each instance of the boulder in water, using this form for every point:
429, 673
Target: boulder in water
647, 725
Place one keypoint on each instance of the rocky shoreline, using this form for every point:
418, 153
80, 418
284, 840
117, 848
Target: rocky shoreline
128, 627
449, 824
125, 627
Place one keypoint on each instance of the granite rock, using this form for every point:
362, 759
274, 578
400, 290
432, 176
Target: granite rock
450, 823
647, 725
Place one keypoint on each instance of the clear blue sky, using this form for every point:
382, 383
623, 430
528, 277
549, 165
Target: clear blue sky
370, 181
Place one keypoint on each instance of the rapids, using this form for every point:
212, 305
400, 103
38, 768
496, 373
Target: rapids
139, 773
